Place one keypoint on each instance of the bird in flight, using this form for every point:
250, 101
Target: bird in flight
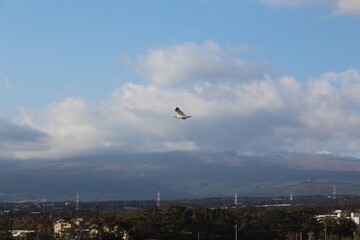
180, 114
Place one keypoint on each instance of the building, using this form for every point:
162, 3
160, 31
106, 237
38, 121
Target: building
21, 233
355, 217
76, 228
63, 228
339, 214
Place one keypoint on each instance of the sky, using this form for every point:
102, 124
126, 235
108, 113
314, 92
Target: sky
104, 77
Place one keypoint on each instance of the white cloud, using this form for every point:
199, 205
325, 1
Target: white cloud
340, 7
250, 112
191, 62
345, 7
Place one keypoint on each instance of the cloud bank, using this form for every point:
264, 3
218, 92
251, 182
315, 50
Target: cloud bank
20, 138
236, 105
341, 7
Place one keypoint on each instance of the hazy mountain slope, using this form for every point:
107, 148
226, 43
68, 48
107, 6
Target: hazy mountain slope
177, 175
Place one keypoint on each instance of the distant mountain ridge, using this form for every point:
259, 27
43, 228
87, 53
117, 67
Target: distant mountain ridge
178, 175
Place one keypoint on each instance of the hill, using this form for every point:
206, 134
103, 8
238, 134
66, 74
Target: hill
178, 175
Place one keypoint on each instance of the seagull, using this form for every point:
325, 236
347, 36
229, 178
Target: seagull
180, 114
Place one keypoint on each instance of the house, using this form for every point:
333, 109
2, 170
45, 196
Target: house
21, 233
63, 228
78, 221
93, 230
355, 217
125, 235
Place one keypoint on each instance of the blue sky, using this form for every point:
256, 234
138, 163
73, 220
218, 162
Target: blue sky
57, 54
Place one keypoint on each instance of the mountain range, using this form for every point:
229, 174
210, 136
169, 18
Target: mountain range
178, 175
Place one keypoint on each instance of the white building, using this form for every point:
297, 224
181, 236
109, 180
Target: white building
21, 233
355, 217
338, 214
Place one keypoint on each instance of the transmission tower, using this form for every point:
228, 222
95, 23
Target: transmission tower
77, 202
158, 199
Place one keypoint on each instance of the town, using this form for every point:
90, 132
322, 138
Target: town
298, 218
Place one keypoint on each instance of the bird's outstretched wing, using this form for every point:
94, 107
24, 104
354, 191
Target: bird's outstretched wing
179, 111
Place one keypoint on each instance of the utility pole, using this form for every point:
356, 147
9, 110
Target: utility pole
325, 232
235, 231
